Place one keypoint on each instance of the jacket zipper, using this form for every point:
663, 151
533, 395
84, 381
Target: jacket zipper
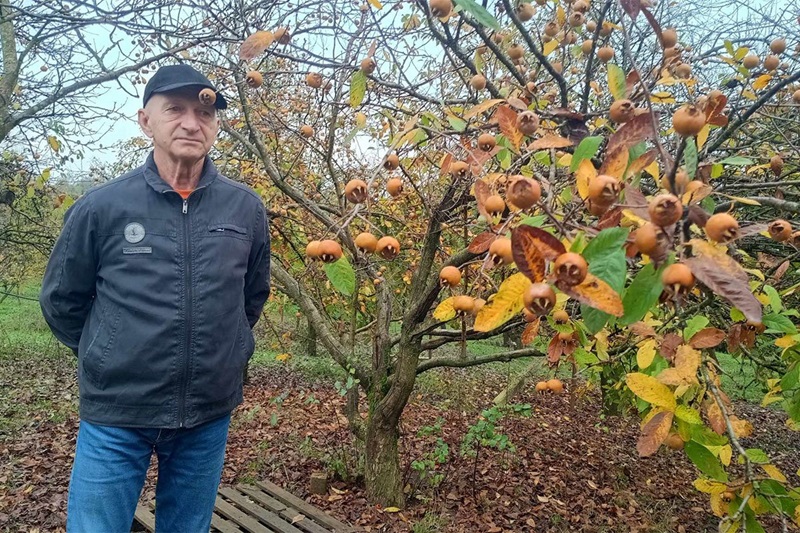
188, 327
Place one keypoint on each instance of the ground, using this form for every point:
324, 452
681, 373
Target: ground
570, 469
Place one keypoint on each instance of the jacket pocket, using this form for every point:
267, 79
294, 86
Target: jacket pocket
225, 229
98, 350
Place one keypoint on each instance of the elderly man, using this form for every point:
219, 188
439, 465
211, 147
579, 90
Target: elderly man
155, 283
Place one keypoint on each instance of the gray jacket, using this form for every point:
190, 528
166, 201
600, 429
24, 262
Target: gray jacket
157, 296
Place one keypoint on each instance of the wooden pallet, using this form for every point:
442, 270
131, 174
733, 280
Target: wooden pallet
260, 508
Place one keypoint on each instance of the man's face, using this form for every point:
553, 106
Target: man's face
182, 128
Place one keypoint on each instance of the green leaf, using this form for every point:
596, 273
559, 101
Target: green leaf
778, 322
687, 414
585, 150
791, 379
341, 275
757, 456
358, 88
706, 436
693, 325
504, 158
606, 257
479, 13
535, 221
457, 124
751, 524
616, 81
775, 302
542, 157
705, 461
690, 157
737, 161
716, 170
642, 294
729, 47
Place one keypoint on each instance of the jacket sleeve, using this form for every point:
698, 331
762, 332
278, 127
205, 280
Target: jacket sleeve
68, 286
256, 282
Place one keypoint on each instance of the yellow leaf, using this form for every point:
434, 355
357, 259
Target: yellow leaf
561, 16
725, 454
740, 53
742, 428
506, 303
585, 174
392, 509
750, 95
646, 353
761, 82
255, 44
283, 357
687, 361
652, 169
756, 168
406, 138
786, 341
702, 137
651, 390
708, 486
54, 144
444, 311
773, 472
549, 46
662, 97
718, 507
482, 107
565, 161
745, 201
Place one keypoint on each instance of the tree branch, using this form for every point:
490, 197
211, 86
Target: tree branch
458, 362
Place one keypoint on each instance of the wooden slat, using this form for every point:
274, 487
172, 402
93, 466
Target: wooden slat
262, 497
232, 513
145, 517
222, 525
306, 508
287, 513
274, 521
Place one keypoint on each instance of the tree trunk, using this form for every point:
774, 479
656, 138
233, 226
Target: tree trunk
311, 340
382, 473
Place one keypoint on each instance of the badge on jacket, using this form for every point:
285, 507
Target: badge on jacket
134, 232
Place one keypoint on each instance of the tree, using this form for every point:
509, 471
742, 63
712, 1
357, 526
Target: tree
598, 124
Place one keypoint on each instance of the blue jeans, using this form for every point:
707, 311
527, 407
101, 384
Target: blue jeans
110, 468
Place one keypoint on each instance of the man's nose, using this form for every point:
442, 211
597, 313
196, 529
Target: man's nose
190, 122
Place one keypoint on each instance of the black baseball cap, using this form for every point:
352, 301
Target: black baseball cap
171, 77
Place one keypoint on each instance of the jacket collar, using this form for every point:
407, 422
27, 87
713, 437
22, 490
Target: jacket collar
155, 181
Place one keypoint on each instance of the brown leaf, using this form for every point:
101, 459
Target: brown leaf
640, 329
719, 120
482, 192
715, 418
734, 337
548, 246
517, 103
637, 203
530, 332
615, 162
641, 162
698, 216
481, 243
631, 7
507, 120
707, 338
596, 293
528, 258
630, 80
255, 45
654, 433
549, 141
723, 275
610, 218
554, 350
634, 131
669, 346
781, 270
752, 229
563, 112
714, 105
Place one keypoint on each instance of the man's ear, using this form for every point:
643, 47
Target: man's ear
144, 123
